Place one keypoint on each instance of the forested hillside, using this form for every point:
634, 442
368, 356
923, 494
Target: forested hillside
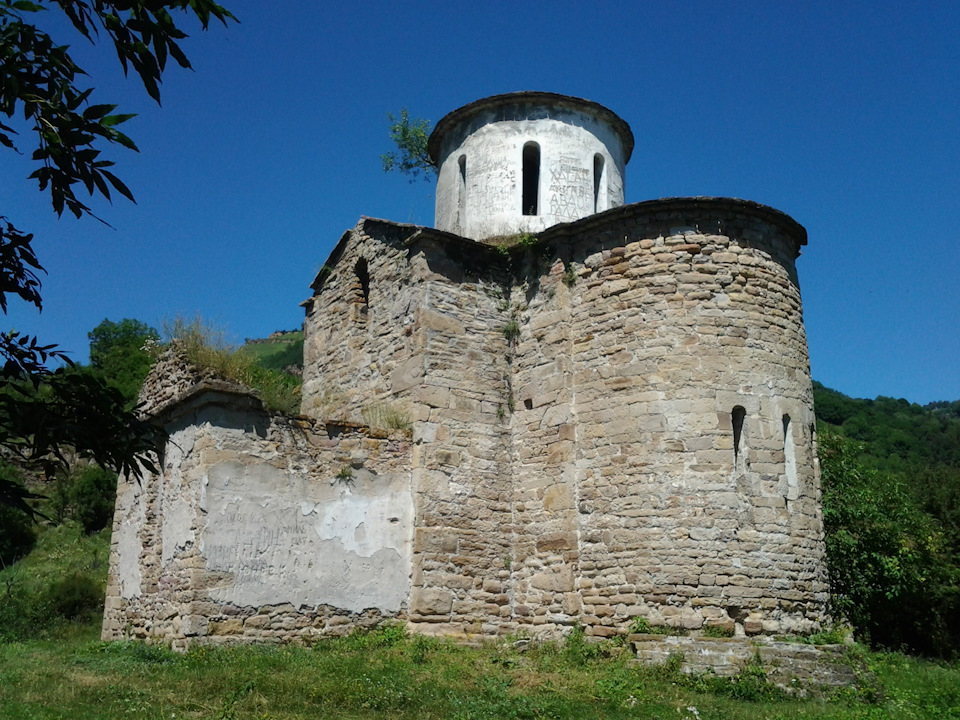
896, 434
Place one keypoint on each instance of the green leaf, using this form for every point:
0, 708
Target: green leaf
95, 112
118, 185
119, 137
26, 6
112, 120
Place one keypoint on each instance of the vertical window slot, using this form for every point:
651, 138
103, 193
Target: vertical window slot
789, 457
363, 285
598, 182
737, 418
531, 179
462, 192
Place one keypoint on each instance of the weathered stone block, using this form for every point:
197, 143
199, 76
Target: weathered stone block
431, 601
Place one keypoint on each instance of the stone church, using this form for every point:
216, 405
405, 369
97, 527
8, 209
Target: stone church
550, 409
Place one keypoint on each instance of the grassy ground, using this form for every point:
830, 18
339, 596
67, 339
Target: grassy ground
384, 674
52, 665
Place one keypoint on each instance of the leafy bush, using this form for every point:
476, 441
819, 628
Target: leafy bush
87, 495
891, 573
835, 635
74, 597
580, 651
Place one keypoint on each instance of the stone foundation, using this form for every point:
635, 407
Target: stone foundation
794, 667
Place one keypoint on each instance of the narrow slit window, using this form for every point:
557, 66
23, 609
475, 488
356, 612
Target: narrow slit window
363, 285
789, 455
462, 191
737, 417
531, 179
597, 182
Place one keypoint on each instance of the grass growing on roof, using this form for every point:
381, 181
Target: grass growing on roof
207, 346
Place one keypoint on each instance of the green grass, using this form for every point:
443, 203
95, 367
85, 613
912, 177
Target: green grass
280, 354
60, 581
387, 674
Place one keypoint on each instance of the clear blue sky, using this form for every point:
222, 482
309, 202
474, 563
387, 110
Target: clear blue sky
845, 115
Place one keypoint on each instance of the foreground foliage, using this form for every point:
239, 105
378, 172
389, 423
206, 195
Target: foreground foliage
48, 114
384, 673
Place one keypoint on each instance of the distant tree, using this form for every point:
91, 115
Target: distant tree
43, 411
831, 406
120, 353
86, 495
17, 533
410, 137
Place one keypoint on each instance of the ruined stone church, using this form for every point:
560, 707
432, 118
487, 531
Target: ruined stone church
550, 409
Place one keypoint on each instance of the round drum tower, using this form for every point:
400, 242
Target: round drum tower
522, 162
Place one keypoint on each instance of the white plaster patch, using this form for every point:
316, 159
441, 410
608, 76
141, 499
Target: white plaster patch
288, 539
127, 537
177, 532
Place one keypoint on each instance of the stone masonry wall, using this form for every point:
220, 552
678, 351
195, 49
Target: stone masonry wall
638, 334
260, 528
680, 314
612, 421
428, 340
800, 669
461, 581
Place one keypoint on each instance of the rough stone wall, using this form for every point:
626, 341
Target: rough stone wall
461, 462
260, 527
574, 425
357, 351
682, 312
799, 669
616, 421
546, 570
638, 334
429, 341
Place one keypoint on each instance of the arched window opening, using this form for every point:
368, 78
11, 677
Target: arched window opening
598, 182
737, 417
531, 179
363, 285
462, 191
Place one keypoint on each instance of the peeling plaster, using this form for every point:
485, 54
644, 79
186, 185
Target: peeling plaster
285, 540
